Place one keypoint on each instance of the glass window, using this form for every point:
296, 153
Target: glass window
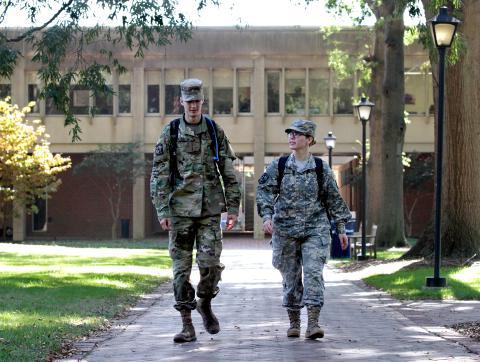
33, 90
319, 91
222, 91
273, 92
173, 78
342, 96
124, 93
33, 97
40, 218
415, 93
244, 89
79, 99
204, 76
104, 103
50, 107
295, 91
5, 91
153, 79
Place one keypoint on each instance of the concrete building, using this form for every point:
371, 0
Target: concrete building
257, 80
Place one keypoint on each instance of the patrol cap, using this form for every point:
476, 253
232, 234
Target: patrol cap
303, 126
191, 89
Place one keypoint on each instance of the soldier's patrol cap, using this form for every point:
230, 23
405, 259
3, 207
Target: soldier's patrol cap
303, 126
191, 89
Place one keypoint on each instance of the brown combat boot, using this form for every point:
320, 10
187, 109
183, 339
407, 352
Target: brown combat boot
313, 329
294, 330
210, 322
188, 332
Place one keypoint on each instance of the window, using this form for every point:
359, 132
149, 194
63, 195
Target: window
273, 92
33, 97
5, 91
415, 93
50, 107
124, 98
295, 92
244, 91
342, 96
431, 106
79, 99
153, 79
222, 91
318, 91
33, 90
124, 93
173, 78
204, 76
40, 218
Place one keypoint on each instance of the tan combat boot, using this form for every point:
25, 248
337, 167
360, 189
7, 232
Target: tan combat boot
188, 332
313, 329
294, 330
210, 322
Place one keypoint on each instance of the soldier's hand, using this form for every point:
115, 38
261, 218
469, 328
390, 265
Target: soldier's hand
268, 226
231, 220
343, 241
166, 223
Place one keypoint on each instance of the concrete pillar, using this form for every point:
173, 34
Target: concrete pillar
259, 138
19, 96
138, 112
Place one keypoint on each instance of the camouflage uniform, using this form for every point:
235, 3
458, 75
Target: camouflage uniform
194, 205
301, 229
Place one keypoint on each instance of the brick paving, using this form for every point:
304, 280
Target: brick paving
361, 324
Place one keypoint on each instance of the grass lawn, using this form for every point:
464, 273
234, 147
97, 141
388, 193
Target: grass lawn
409, 283
50, 293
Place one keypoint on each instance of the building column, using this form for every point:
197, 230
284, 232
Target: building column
19, 96
138, 115
259, 95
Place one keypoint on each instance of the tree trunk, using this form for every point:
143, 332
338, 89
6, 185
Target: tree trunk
461, 169
461, 192
374, 167
391, 229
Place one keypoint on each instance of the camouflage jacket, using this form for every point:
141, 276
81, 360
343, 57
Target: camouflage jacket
295, 209
198, 192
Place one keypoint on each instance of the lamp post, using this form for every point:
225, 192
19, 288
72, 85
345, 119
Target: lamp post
363, 110
330, 140
443, 28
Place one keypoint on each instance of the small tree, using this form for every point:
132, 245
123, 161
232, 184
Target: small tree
113, 169
27, 167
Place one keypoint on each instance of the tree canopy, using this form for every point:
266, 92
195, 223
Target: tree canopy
59, 41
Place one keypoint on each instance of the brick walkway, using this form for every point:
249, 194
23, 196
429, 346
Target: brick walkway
360, 324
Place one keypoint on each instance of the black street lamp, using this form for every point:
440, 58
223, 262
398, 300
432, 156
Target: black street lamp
363, 110
443, 28
330, 140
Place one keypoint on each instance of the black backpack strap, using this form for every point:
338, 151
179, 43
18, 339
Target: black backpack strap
213, 132
173, 151
281, 170
322, 195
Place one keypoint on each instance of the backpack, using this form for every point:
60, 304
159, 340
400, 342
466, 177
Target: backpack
212, 131
322, 196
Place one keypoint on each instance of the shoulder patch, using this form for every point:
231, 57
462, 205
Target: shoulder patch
159, 149
263, 179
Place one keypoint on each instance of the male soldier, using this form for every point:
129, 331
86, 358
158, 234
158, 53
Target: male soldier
293, 201
191, 160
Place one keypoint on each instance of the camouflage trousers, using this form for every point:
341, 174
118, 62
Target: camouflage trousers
206, 235
294, 257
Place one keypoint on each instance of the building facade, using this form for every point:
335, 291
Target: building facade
257, 80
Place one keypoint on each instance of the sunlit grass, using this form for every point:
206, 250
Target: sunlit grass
53, 293
462, 283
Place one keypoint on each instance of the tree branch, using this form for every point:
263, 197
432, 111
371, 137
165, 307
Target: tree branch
44, 25
2, 17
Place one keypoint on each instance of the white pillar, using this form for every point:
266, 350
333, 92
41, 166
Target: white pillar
259, 138
138, 84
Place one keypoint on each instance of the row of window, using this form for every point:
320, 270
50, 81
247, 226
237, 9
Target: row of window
303, 92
